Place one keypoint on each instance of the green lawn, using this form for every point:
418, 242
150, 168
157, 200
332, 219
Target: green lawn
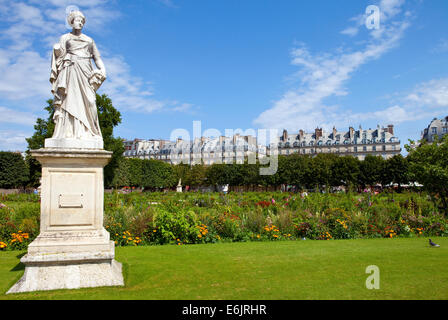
409, 269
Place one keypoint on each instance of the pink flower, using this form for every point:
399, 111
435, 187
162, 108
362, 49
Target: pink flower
272, 200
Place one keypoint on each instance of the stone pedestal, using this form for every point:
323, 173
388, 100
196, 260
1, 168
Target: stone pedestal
73, 250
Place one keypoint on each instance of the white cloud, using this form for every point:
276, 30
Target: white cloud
17, 117
425, 101
441, 46
432, 94
324, 76
11, 140
351, 31
24, 75
25, 70
168, 3
133, 93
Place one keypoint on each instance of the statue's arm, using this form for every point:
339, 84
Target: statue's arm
98, 61
58, 52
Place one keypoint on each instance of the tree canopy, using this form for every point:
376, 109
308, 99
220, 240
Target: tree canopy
13, 170
428, 165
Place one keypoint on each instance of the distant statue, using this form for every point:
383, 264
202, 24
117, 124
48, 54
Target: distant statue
74, 84
179, 186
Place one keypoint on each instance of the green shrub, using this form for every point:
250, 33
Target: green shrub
175, 227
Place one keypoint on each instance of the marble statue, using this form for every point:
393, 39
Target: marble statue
73, 249
74, 85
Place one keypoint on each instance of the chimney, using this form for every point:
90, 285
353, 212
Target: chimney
352, 132
318, 133
390, 128
301, 134
285, 135
334, 132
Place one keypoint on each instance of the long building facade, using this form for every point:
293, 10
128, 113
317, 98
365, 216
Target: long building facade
237, 149
357, 143
143, 149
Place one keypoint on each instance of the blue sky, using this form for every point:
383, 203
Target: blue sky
236, 64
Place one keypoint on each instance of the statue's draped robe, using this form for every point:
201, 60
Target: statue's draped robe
75, 114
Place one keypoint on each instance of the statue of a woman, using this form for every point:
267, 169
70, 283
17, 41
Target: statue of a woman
74, 84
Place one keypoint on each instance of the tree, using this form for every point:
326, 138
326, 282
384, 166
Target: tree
157, 174
345, 171
275, 179
108, 117
371, 170
428, 165
13, 170
135, 173
196, 175
321, 169
182, 171
218, 174
250, 173
397, 170
294, 170
43, 129
122, 174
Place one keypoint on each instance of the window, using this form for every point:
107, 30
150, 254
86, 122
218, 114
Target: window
434, 130
374, 148
364, 148
444, 129
384, 148
355, 149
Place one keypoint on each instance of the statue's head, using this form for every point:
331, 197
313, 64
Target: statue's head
76, 20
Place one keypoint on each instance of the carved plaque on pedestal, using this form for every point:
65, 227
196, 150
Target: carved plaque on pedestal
72, 199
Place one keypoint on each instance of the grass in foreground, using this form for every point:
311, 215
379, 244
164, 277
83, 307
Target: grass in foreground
409, 269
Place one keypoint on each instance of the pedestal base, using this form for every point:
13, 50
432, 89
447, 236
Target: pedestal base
69, 271
73, 250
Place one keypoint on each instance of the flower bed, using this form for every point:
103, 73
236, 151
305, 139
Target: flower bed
135, 219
